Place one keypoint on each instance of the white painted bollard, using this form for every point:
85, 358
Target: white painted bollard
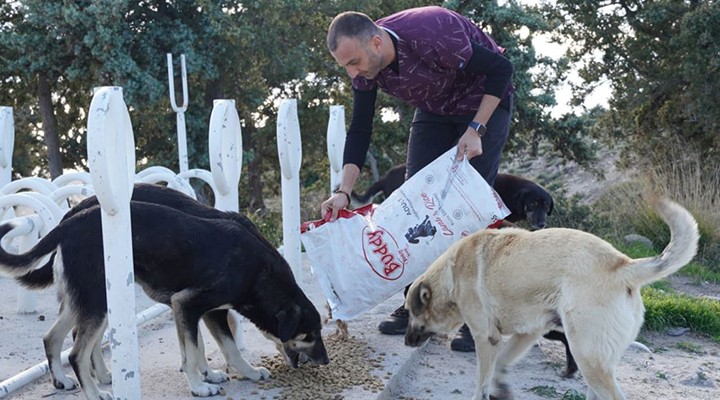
179, 111
290, 155
336, 144
7, 143
225, 147
111, 157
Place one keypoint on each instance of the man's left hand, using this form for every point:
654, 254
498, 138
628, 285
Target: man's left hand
469, 145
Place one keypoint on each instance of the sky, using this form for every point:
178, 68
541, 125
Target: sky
563, 95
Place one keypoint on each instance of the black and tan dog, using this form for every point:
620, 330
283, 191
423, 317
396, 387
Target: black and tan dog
523, 283
200, 261
526, 200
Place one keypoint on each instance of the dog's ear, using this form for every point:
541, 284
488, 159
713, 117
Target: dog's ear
519, 200
420, 299
552, 205
288, 321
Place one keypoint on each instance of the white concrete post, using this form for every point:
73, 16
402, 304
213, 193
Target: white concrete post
336, 144
179, 111
290, 154
7, 143
111, 157
225, 148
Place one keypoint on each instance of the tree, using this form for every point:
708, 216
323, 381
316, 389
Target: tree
662, 58
257, 53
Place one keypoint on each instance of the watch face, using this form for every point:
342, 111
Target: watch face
479, 128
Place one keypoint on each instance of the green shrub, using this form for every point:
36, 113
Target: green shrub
664, 310
270, 225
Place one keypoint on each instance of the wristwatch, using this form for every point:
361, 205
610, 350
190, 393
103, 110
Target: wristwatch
479, 128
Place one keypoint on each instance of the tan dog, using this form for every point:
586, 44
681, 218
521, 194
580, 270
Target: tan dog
521, 283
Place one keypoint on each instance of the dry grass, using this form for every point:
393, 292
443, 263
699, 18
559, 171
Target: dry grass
682, 176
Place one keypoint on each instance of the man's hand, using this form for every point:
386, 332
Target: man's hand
470, 145
333, 205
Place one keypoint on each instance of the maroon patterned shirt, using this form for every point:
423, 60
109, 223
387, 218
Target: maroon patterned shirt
433, 48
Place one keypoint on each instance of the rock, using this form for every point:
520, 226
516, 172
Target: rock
677, 331
635, 238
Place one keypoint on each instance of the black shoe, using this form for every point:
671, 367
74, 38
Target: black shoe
396, 324
463, 340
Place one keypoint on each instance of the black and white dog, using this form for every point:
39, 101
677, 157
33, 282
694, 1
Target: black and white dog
198, 260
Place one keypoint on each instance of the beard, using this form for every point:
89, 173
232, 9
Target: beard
375, 65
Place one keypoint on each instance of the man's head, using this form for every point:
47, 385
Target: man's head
356, 43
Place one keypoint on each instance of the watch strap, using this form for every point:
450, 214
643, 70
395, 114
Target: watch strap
478, 127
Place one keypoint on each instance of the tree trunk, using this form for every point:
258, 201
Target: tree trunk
49, 126
256, 202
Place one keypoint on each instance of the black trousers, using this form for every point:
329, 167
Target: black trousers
431, 135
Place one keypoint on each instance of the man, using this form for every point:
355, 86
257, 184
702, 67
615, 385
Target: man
451, 71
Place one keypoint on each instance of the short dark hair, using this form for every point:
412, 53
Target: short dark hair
350, 24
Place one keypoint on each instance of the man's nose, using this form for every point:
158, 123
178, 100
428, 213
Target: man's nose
352, 71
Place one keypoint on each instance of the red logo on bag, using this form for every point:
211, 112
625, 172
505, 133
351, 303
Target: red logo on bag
381, 253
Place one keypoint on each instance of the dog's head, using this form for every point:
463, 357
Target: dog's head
537, 205
431, 311
299, 335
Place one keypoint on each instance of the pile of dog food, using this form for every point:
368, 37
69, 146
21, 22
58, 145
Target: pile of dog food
350, 365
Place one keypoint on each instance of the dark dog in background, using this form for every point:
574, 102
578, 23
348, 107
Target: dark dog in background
199, 260
525, 199
392, 180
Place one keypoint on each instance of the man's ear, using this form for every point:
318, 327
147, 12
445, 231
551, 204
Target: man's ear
420, 299
288, 321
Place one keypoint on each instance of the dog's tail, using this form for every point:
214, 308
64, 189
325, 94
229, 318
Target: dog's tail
683, 245
372, 191
22, 266
39, 278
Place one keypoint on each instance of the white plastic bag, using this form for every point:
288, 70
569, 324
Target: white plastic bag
369, 254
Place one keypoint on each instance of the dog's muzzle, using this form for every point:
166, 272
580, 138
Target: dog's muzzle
317, 354
415, 338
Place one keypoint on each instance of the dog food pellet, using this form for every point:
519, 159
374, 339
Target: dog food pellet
350, 366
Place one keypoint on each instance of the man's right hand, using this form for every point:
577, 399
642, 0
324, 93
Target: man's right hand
333, 205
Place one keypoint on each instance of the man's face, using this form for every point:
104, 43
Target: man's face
359, 59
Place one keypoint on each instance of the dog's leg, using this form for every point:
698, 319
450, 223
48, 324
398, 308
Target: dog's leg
216, 321
187, 319
602, 383
571, 367
211, 375
89, 331
486, 349
515, 348
102, 374
53, 341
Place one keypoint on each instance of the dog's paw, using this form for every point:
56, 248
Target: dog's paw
502, 391
214, 376
207, 390
105, 396
104, 378
64, 382
258, 373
